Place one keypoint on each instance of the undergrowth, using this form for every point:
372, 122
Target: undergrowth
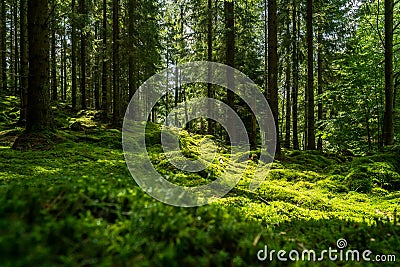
75, 204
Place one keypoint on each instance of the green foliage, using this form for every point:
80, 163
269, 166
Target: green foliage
77, 205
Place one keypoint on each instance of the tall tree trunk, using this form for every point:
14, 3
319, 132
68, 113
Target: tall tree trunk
210, 88
388, 128
273, 66
16, 49
320, 90
266, 49
295, 90
4, 46
64, 64
82, 7
3, 34
105, 87
96, 75
230, 51
54, 94
310, 79
12, 52
38, 116
116, 100
288, 91
230, 47
73, 57
131, 30
177, 95
24, 58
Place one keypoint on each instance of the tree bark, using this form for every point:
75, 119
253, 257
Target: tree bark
273, 66
131, 30
295, 90
230, 47
116, 96
38, 116
16, 50
288, 91
230, 53
210, 88
310, 79
73, 57
24, 58
3, 47
54, 94
82, 7
105, 87
388, 128
320, 91
96, 75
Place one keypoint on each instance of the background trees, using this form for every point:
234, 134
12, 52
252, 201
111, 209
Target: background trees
329, 69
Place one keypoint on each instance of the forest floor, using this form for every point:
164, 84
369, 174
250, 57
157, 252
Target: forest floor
73, 202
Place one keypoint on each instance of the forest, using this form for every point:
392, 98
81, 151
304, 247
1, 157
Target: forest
106, 161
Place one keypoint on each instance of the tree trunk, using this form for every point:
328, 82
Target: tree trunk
16, 49
105, 88
230, 47
38, 116
295, 90
54, 94
24, 58
320, 91
230, 53
310, 79
96, 75
210, 88
273, 66
116, 100
82, 7
64, 64
288, 91
73, 57
3, 34
388, 128
131, 30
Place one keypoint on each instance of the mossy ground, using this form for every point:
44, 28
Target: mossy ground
75, 204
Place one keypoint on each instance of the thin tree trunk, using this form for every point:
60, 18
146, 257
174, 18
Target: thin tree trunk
16, 50
105, 77
64, 96
295, 91
116, 100
4, 46
210, 88
96, 75
273, 66
288, 92
131, 30
388, 128
73, 58
38, 116
54, 94
230, 51
176, 92
82, 7
266, 49
230, 46
24, 58
320, 91
310, 79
